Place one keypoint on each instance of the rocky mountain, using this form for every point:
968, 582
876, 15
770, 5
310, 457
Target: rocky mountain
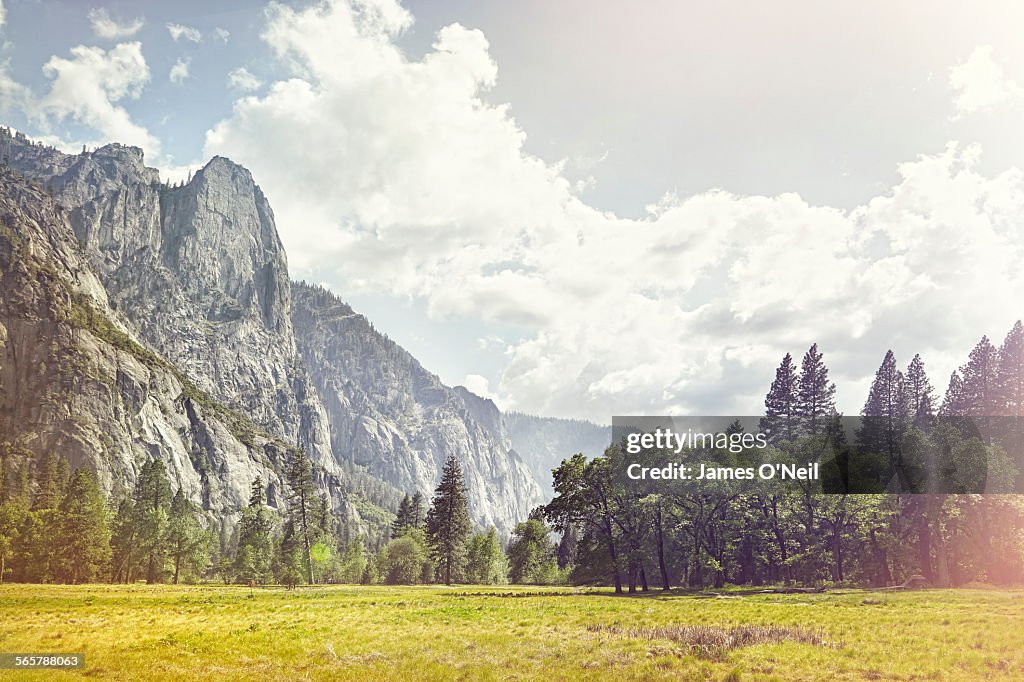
75, 380
192, 281
398, 421
546, 441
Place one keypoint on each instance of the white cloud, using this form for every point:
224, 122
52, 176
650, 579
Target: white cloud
87, 88
179, 72
178, 31
105, 26
479, 385
242, 79
980, 84
399, 169
3, 14
221, 34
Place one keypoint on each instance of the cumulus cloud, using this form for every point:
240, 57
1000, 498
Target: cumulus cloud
479, 385
221, 34
179, 32
400, 169
87, 88
979, 84
179, 72
105, 26
242, 79
3, 15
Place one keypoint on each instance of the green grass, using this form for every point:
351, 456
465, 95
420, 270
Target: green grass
431, 632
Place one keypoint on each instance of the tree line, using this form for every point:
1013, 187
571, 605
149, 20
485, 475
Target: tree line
617, 533
57, 526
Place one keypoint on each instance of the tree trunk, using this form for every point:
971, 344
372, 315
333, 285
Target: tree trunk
614, 555
941, 558
177, 567
305, 537
643, 578
924, 548
837, 550
661, 548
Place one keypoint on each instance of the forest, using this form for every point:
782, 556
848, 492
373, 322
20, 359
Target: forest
56, 526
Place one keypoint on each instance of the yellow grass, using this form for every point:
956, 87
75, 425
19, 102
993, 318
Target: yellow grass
431, 632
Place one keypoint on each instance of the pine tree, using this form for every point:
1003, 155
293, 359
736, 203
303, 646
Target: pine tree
85, 533
886, 412
401, 521
152, 508
12, 517
1010, 373
302, 497
188, 543
51, 478
979, 381
954, 403
448, 522
416, 510
815, 394
123, 541
255, 544
920, 394
780, 419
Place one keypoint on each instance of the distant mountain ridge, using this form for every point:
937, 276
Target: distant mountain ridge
198, 276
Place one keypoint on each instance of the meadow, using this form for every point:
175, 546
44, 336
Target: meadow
140, 632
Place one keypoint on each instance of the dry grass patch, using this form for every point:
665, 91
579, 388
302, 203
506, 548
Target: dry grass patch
713, 643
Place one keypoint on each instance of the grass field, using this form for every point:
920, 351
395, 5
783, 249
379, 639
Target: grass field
360, 633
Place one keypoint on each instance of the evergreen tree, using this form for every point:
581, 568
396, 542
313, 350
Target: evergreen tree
920, 398
85, 533
416, 510
188, 543
51, 478
1010, 373
815, 394
780, 421
885, 411
403, 518
302, 497
152, 508
954, 403
254, 559
567, 547
122, 542
979, 381
448, 522
12, 517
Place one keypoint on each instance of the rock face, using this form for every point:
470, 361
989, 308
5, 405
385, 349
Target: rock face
75, 381
199, 271
398, 421
196, 278
545, 441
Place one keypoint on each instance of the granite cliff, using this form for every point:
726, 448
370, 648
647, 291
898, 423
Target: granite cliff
209, 356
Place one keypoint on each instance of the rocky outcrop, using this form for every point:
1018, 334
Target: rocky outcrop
396, 419
199, 270
197, 273
77, 382
545, 441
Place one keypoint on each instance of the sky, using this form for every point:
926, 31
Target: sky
583, 211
